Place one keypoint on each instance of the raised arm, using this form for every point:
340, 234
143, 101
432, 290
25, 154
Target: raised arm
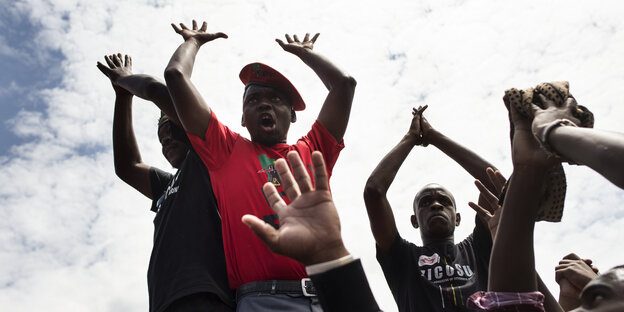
128, 164
597, 149
469, 160
334, 114
192, 110
512, 264
378, 208
143, 86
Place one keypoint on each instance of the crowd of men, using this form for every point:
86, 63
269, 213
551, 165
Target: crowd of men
206, 258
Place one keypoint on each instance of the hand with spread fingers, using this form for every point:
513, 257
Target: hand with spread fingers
415, 130
296, 47
488, 208
200, 35
116, 69
309, 230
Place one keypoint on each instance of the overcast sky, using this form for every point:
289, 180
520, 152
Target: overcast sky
73, 237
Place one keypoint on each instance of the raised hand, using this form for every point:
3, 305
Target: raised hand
116, 68
525, 148
295, 46
415, 129
200, 35
309, 229
426, 129
488, 209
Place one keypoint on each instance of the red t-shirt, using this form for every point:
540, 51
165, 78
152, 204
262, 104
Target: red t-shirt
238, 169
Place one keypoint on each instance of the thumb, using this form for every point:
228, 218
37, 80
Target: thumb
264, 231
105, 70
221, 35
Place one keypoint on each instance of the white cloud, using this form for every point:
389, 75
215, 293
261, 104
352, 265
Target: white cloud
77, 238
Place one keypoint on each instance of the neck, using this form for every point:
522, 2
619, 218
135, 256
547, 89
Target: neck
437, 240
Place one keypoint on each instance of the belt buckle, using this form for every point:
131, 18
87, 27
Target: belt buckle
307, 287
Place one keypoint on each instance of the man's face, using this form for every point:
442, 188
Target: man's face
267, 115
172, 149
604, 293
434, 211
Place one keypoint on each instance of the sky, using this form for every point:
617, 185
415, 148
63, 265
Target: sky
74, 237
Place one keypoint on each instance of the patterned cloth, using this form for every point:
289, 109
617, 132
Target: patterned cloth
554, 186
507, 301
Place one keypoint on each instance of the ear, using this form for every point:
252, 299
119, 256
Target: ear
457, 219
293, 115
414, 221
243, 123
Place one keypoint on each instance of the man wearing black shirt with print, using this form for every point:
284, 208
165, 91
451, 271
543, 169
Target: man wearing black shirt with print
440, 275
187, 267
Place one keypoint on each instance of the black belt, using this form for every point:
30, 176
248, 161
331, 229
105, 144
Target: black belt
302, 287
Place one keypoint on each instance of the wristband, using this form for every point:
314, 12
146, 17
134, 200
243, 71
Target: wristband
328, 265
542, 136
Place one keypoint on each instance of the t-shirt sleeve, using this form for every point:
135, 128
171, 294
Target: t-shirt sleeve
319, 139
394, 263
482, 239
217, 145
158, 183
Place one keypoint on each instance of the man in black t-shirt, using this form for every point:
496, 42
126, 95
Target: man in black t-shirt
440, 275
187, 269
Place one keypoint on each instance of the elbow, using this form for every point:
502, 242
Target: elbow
373, 190
348, 82
173, 72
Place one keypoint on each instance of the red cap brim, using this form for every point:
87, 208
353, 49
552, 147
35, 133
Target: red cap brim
261, 74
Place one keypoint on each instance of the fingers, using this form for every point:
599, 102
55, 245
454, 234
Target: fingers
183, 26
488, 196
219, 35
288, 39
296, 38
117, 59
496, 178
300, 172
128, 61
109, 61
571, 256
307, 37
194, 25
264, 231
105, 70
288, 181
315, 37
204, 26
175, 28
320, 172
482, 212
273, 197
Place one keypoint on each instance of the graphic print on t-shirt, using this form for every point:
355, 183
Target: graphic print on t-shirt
441, 272
172, 188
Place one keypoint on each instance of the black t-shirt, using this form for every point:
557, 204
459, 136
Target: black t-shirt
188, 256
437, 277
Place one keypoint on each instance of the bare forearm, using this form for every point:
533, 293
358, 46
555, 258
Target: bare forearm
381, 178
599, 150
469, 160
550, 303
150, 89
193, 113
512, 264
378, 208
330, 74
125, 149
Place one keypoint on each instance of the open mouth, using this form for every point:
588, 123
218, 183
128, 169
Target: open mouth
267, 122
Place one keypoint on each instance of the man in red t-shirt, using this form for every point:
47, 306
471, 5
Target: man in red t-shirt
239, 167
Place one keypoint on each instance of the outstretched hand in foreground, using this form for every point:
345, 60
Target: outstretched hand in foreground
309, 229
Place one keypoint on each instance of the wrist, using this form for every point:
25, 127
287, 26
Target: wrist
432, 136
326, 255
543, 132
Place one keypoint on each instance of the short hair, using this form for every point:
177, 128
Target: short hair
429, 187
